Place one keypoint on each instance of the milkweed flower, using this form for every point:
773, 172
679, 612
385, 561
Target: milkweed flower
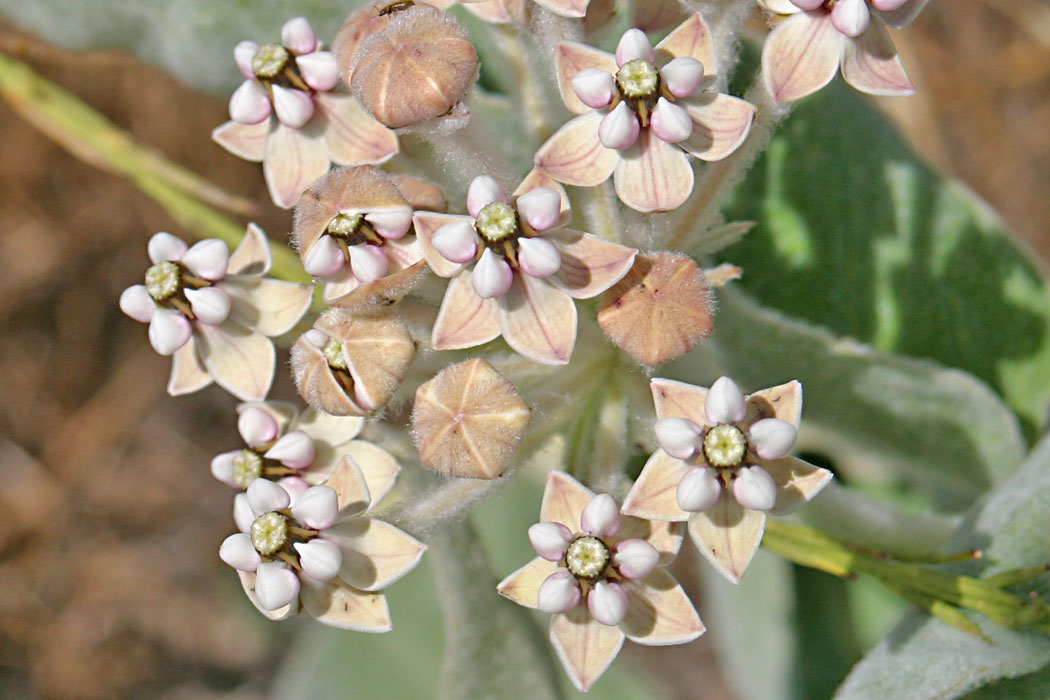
212, 312
816, 38
643, 111
515, 269
289, 114
601, 576
723, 465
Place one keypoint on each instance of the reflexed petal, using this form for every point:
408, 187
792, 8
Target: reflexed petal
698, 490
248, 580
222, 467
570, 59
319, 70
720, 125
690, 39
378, 467
465, 319
325, 428
783, 401
523, 585
317, 508
246, 141
264, 496
492, 275
238, 552
653, 175
801, 55
797, 482
209, 304
242, 513
350, 487
674, 398
484, 190
896, 13
256, 426
319, 558
550, 540
772, 438
164, 246
807, 5
340, 605
653, 494
368, 262
594, 87
683, 76
188, 373
324, 258
136, 302
754, 488
585, 646
679, 437
538, 257
660, 612
276, 585
564, 499
634, 44
575, 155
670, 122
252, 256
728, 535
538, 320
607, 603
558, 593
601, 516
295, 450
243, 53
208, 259
239, 360
292, 107
375, 553
426, 225
851, 17
391, 224
540, 207
871, 64
271, 307
589, 265
250, 103
619, 128
635, 558
169, 330
456, 241
292, 161
350, 134
566, 8
298, 35
725, 402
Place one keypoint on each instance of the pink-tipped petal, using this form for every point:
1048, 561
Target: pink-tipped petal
653, 175
801, 55
319, 70
807, 5
619, 128
257, 426
720, 124
725, 402
291, 162
594, 87
558, 593
492, 275
222, 467
679, 437
538, 320
550, 540
368, 262
691, 38
601, 516
243, 53
634, 44
168, 331
296, 486
682, 76
772, 438
294, 449
325, 257
871, 64
250, 103
538, 257
164, 246
237, 551
566, 8
698, 490
635, 558
276, 585
318, 507
754, 488
208, 259
391, 224
851, 17
246, 141
298, 35
464, 319
670, 122
210, 305
484, 190
319, 558
293, 107
575, 155
350, 135
570, 59
607, 603
457, 241
264, 496
136, 302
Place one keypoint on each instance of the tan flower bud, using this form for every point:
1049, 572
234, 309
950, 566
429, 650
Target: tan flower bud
660, 310
416, 68
351, 363
467, 421
361, 24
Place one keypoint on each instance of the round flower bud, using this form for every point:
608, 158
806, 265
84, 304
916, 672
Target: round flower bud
608, 603
754, 488
558, 593
550, 540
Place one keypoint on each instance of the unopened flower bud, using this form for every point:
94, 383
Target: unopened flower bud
294, 449
256, 426
607, 603
754, 488
550, 540
601, 516
558, 593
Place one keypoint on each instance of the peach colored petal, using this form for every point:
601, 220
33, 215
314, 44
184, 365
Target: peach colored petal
252, 256
464, 319
426, 224
494, 11
538, 320
589, 265
246, 141
664, 535
727, 535
566, 8
240, 360
377, 465
585, 646
575, 156
653, 175
871, 64
691, 38
328, 430
801, 55
188, 373
375, 553
248, 584
350, 486
535, 179
720, 124
654, 494
403, 253
564, 499
271, 307
797, 482
659, 612
656, 15
783, 401
674, 399
340, 605
399, 281
351, 135
781, 7
379, 351
569, 59
292, 161
523, 585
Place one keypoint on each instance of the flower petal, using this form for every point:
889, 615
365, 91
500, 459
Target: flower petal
570, 59
660, 612
169, 330
210, 305
265, 496
375, 553
276, 585
871, 64
243, 53
457, 241
292, 161
350, 486
368, 262
250, 103
674, 398
690, 39
298, 35
164, 246
377, 465
293, 107
635, 558
653, 175
246, 141
523, 585
327, 430
294, 449
585, 646
670, 122
237, 551
339, 605
797, 482
574, 154
607, 602
725, 402
902, 13
634, 44
426, 225
728, 535
538, 320
564, 499
550, 540
566, 8
136, 302
594, 87
720, 125
801, 55
654, 16
248, 582
208, 258
538, 257
664, 535
491, 276
589, 265
683, 76
188, 373
351, 136
851, 17
678, 437
464, 319
269, 306
317, 507
653, 495
540, 207
559, 592
252, 256
698, 490
783, 401
256, 426
241, 361
319, 70
619, 128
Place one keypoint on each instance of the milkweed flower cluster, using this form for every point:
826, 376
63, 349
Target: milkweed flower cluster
401, 351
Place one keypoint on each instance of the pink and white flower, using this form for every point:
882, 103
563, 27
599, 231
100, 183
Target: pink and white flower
289, 114
515, 270
212, 312
816, 38
600, 574
724, 463
643, 111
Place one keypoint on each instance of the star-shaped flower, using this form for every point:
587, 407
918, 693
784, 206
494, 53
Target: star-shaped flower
212, 312
817, 37
723, 464
515, 270
601, 575
289, 114
642, 113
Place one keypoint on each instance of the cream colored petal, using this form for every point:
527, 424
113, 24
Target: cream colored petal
248, 584
188, 373
375, 553
349, 484
783, 401
659, 612
241, 361
720, 124
378, 466
523, 585
538, 320
403, 253
664, 535
292, 161
654, 494
338, 287
333, 430
368, 298
351, 135
656, 15
464, 319
564, 499
585, 646
494, 11
269, 306
338, 604
727, 535
781, 7
246, 141
797, 482
653, 175
801, 55
589, 265
871, 64
575, 156
566, 8
674, 399
692, 39
379, 350
426, 224
535, 179
569, 59
252, 256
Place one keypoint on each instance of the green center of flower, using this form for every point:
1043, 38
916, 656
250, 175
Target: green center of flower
725, 446
247, 467
497, 221
162, 280
269, 60
638, 78
344, 224
587, 557
269, 532
333, 352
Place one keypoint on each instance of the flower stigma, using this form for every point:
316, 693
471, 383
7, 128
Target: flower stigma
247, 467
344, 224
638, 78
497, 221
269, 61
587, 557
725, 446
162, 280
333, 353
269, 532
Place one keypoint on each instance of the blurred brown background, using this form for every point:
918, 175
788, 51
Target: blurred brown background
109, 519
